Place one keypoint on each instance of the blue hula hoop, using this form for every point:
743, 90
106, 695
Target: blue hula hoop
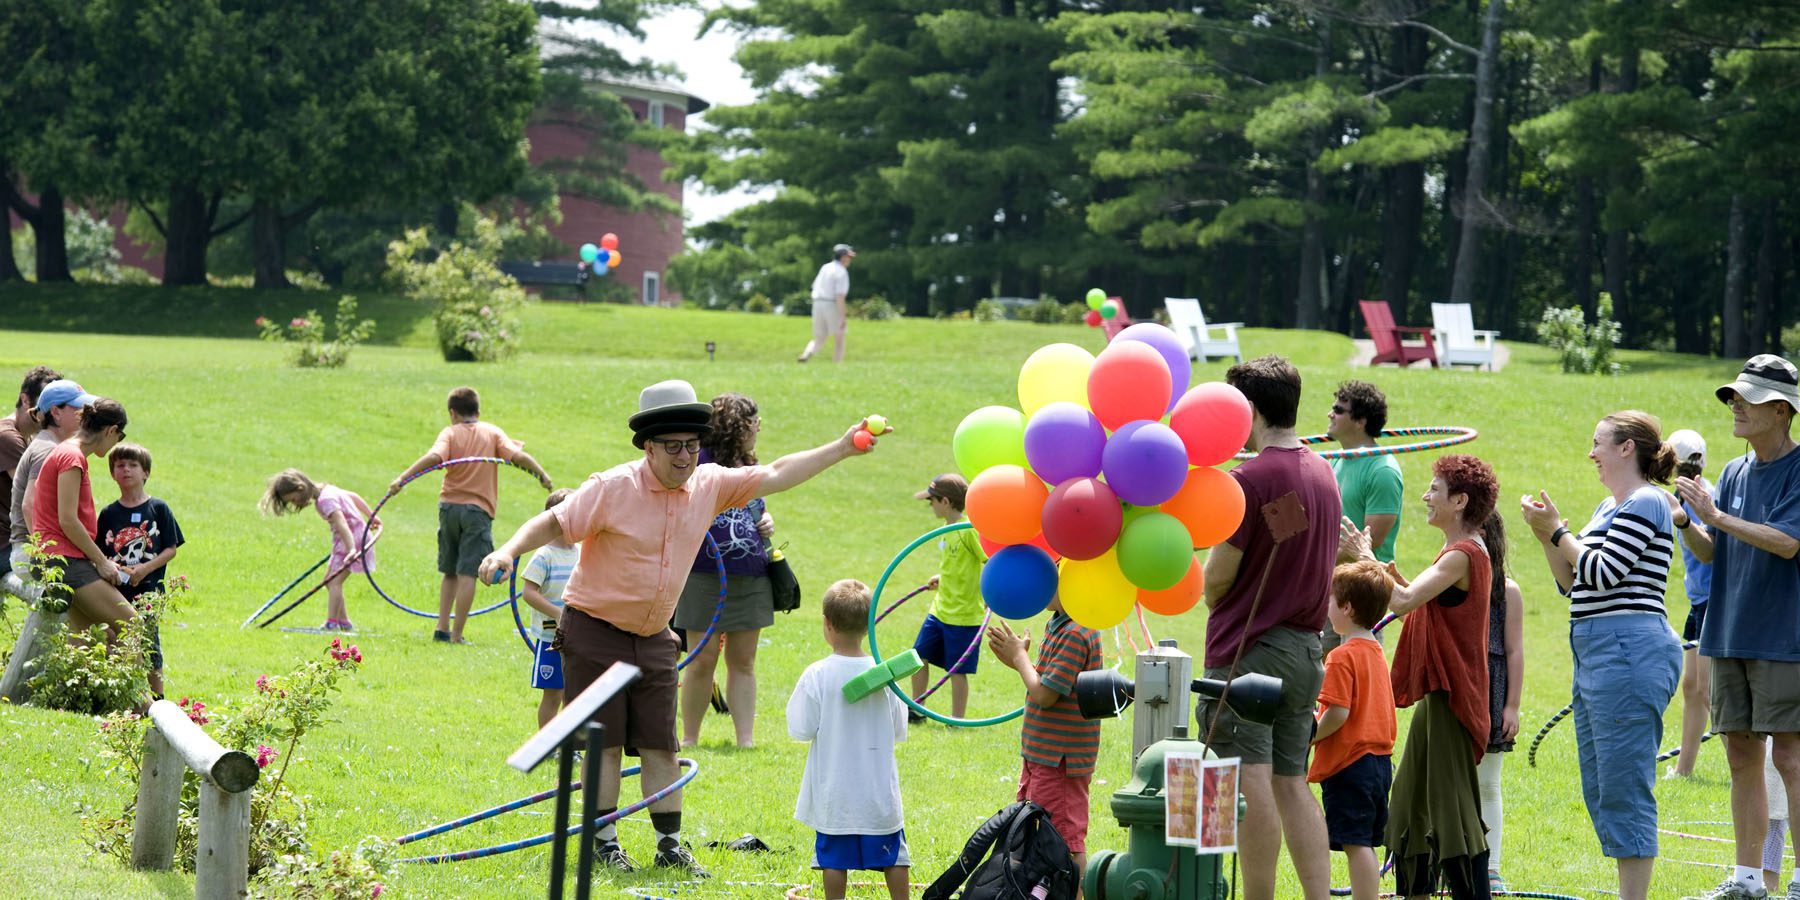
1456, 434
283, 592
395, 493
1561, 714
875, 651
692, 767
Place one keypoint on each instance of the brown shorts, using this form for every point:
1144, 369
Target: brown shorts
78, 573
641, 716
1756, 695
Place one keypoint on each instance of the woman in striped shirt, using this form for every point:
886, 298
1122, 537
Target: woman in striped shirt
1627, 658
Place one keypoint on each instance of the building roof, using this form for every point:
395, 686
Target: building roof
554, 35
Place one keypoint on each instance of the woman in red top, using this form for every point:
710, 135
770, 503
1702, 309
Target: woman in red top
1440, 665
63, 512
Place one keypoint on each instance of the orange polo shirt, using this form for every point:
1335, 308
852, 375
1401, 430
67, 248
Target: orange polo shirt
477, 485
638, 539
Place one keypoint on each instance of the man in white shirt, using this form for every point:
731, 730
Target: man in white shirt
829, 288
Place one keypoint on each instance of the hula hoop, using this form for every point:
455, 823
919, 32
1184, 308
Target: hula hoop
1676, 751
395, 493
875, 651
896, 604
1531, 755
1706, 837
961, 659
692, 767
283, 592
329, 574
718, 610
1453, 435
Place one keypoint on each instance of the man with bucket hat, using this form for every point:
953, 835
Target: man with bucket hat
1752, 626
639, 526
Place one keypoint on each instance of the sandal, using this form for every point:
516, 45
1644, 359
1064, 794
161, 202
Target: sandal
1496, 884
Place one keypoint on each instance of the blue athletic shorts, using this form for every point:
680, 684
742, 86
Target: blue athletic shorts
942, 645
860, 851
546, 669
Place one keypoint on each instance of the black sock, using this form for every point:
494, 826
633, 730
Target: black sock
668, 829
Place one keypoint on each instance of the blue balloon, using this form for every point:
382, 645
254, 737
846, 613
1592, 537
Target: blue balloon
601, 258
1018, 581
589, 252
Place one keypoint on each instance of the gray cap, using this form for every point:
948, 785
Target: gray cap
842, 250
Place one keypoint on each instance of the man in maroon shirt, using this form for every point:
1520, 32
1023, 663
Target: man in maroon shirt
1272, 628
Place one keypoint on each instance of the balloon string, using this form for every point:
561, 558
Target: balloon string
1149, 640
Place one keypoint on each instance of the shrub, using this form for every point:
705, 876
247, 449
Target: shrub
476, 305
876, 308
1045, 312
1585, 349
93, 676
989, 311
758, 303
1074, 313
305, 336
799, 304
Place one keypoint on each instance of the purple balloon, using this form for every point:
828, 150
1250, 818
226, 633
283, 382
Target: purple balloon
1167, 344
1064, 441
1145, 462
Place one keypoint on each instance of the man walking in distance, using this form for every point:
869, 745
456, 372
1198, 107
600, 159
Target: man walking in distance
1752, 627
829, 315
639, 526
1281, 637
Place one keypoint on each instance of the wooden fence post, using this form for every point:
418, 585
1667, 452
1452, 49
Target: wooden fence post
222, 861
158, 804
12, 683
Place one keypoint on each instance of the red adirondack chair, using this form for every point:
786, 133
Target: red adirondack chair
1117, 323
1390, 345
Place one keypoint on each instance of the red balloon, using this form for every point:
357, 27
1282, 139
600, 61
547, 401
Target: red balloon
1092, 317
1129, 381
1178, 599
1211, 505
610, 241
991, 547
1082, 518
1213, 421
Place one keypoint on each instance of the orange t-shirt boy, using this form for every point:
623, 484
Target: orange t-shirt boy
1353, 747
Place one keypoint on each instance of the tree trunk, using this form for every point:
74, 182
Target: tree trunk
1468, 246
51, 230
189, 230
268, 238
1735, 263
1253, 284
1310, 299
1765, 325
1618, 240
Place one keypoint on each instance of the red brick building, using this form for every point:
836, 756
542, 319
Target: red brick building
647, 239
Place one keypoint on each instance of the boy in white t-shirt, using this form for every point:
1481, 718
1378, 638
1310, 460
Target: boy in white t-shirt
850, 792
544, 577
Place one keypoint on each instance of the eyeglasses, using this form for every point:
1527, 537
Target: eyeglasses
1339, 409
674, 448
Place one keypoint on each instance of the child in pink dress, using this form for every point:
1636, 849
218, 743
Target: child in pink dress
349, 518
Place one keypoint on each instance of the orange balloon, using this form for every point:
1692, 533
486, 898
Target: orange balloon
1210, 504
1178, 599
613, 259
1005, 503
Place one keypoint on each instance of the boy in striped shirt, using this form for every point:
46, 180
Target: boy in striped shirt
1058, 745
543, 580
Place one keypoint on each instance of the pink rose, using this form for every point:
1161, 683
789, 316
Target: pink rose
262, 321
265, 754
355, 654
262, 683
375, 890
297, 323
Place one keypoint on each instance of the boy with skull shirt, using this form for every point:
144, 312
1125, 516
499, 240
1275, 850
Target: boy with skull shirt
139, 533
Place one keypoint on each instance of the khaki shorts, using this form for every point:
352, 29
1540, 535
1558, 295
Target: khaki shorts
827, 321
1755, 695
641, 716
465, 537
1292, 655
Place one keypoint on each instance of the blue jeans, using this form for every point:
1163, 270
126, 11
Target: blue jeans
1626, 671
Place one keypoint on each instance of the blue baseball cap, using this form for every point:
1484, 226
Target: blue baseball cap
63, 392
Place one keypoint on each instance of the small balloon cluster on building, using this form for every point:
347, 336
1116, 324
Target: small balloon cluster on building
1101, 485
602, 258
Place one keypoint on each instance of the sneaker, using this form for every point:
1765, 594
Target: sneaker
1732, 889
914, 717
675, 856
613, 856
1793, 891
441, 636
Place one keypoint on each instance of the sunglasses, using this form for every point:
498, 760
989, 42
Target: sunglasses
1339, 409
674, 448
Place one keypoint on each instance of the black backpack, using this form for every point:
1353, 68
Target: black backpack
1027, 851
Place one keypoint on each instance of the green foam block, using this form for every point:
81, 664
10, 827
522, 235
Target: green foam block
877, 677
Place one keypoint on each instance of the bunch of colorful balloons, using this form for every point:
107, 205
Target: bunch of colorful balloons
1088, 490
603, 257
1100, 308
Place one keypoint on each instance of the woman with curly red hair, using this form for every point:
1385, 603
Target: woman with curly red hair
1434, 828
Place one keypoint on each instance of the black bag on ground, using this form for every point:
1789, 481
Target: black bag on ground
1027, 851
782, 582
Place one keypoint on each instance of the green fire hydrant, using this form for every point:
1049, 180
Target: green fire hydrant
1150, 869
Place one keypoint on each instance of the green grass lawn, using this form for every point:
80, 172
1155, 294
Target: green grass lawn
422, 732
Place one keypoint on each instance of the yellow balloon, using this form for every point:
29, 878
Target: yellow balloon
1054, 372
1094, 592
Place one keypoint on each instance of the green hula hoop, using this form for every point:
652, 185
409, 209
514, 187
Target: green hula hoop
875, 651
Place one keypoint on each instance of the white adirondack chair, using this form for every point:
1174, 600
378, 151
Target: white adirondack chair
1189, 324
1458, 342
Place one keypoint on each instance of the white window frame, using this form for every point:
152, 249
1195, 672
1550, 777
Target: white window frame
655, 113
652, 291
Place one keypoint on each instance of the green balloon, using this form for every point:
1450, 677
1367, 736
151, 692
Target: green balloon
1109, 310
988, 437
1155, 551
1095, 297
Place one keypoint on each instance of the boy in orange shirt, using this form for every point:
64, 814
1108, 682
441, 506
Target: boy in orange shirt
1353, 747
466, 503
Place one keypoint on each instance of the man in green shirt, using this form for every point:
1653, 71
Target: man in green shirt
1371, 486
954, 623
